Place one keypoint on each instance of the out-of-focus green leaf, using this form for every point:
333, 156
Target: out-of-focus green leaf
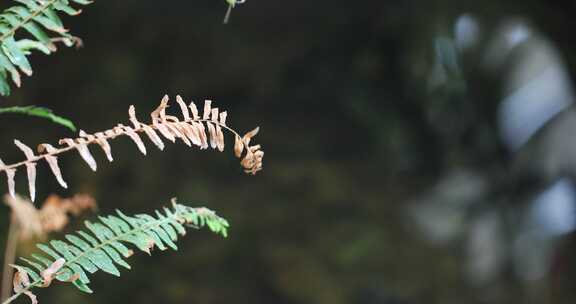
4, 86
18, 58
40, 112
26, 45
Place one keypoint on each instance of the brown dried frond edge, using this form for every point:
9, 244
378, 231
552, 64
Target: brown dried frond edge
194, 129
53, 216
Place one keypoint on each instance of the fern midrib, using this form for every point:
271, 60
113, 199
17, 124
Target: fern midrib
24, 21
158, 222
95, 140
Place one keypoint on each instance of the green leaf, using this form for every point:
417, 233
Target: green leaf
63, 249
119, 223
164, 237
121, 248
42, 259
12, 19
66, 9
130, 220
39, 112
179, 227
6, 64
112, 224
155, 238
77, 269
99, 258
65, 274
80, 243
112, 253
98, 231
22, 12
82, 286
89, 238
51, 14
38, 267
39, 34
4, 86
171, 232
83, 2
16, 56
140, 240
83, 261
160, 236
49, 251
31, 4
26, 45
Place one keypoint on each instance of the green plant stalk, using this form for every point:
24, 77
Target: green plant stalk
228, 12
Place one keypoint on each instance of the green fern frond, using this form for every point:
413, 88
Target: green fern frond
38, 18
105, 246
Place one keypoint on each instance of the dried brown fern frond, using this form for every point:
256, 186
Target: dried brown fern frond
56, 211
53, 216
194, 129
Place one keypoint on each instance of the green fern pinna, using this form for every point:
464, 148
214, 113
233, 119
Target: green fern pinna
105, 247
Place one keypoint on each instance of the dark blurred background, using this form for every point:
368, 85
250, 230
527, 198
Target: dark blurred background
416, 151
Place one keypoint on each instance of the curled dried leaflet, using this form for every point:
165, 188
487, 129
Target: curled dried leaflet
194, 129
21, 283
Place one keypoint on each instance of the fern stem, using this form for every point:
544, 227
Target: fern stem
227, 16
24, 21
95, 140
9, 258
24, 290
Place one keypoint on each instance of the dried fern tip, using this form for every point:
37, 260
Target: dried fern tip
205, 130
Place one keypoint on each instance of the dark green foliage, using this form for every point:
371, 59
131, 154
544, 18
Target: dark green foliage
39, 18
106, 245
40, 112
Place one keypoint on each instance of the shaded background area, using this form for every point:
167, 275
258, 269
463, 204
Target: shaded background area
353, 135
